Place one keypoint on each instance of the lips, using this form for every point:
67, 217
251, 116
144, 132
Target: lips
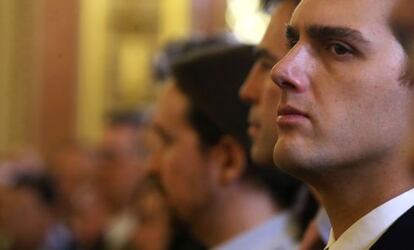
288, 110
254, 125
288, 115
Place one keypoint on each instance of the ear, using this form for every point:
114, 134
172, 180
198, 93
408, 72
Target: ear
229, 157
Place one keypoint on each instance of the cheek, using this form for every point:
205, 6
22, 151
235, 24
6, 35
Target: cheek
369, 106
268, 107
271, 97
181, 172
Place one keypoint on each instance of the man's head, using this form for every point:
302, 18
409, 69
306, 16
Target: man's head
403, 23
28, 210
344, 98
193, 149
122, 155
202, 125
259, 90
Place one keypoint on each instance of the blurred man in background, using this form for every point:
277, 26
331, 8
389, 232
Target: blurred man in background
263, 96
28, 217
122, 171
205, 172
403, 22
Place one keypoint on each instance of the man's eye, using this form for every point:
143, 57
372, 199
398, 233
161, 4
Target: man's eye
267, 64
166, 139
290, 43
339, 49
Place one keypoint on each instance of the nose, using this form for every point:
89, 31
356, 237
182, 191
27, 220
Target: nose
251, 89
153, 164
292, 71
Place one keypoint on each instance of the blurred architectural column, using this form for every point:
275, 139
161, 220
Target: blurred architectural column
5, 67
58, 75
175, 20
208, 16
19, 74
93, 68
118, 39
37, 73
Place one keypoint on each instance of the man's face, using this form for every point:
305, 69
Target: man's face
343, 101
259, 90
122, 169
185, 173
153, 231
403, 23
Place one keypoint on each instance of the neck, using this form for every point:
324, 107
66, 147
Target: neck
236, 210
358, 190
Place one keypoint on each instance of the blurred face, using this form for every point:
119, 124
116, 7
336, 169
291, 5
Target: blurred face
24, 218
154, 230
122, 169
185, 172
154, 145
259, 90
73, 167
343, 101
403, 23
88, 218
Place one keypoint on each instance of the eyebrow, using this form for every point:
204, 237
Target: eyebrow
291, 33
323, 33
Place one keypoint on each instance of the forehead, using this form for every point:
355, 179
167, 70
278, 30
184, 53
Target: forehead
273, 40
171, 104
370, 17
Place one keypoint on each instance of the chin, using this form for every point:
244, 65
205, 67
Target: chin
291, 160
302, 163
263, 158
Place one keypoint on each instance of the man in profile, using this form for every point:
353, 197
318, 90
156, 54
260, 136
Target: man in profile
205, 170
343, 119
260, 92
258, 89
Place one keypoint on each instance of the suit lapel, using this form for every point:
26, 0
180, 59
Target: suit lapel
400, 235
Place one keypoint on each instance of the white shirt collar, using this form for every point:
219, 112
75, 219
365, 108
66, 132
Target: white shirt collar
368, 229
278, 233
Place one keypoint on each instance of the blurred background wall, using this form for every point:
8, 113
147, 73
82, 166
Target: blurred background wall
64, 64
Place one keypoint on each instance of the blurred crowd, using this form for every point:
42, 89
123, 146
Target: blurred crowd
86, 198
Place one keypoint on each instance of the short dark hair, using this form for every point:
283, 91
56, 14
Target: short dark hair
210, 80
175, 50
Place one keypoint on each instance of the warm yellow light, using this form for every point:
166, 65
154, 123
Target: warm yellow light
246, 20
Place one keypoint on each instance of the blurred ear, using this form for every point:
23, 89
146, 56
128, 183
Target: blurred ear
230, 159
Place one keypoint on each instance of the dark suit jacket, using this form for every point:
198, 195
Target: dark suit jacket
400, 236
